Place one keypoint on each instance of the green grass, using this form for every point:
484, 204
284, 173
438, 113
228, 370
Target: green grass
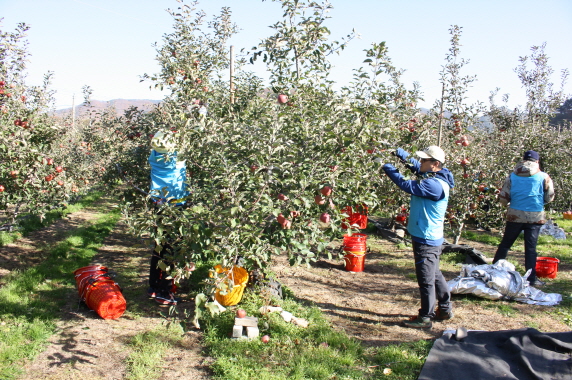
316, 352
405, 360
30, 300
147, 350
481, 237
503, 309
319, 352
32, 223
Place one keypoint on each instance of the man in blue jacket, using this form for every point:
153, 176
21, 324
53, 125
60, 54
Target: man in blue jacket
526, 190
168, 184
429, 198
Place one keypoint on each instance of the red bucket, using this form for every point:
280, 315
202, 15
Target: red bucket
355, 243
355, 219
547, 267
355, 238
354, 263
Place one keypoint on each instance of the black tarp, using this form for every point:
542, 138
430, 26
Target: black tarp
524, 354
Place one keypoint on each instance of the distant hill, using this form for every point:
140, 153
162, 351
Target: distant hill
120, 106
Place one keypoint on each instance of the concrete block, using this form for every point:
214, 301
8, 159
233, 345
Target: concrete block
237, 331
252, 332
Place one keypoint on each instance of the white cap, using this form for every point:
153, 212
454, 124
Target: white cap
163, 142
432, 151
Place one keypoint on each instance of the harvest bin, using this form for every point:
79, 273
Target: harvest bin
99, 292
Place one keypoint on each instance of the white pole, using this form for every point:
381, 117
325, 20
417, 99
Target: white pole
73, 111
232, 74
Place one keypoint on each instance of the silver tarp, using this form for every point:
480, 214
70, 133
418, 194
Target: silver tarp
500, 281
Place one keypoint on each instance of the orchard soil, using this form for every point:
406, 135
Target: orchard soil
368, 305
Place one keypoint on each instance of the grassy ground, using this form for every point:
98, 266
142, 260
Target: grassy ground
31, 299
30, 223
320, 353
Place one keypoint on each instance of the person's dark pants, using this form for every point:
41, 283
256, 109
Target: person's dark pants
511, 232
433, 287
157, 277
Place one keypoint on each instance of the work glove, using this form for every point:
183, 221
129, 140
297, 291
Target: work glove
401, 154
389, 168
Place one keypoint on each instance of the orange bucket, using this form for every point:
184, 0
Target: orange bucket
99, 292
82, 275
547, 267
355, 263
106, 299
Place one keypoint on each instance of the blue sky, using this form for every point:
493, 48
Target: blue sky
107, 44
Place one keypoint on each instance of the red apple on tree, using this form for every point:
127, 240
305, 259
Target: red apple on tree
294, 214
326, 191
59, 169
2, 188
265, 339
13, 173
319, 200
280, 219
282, 99
286, 225
60, 183
465, 162
325, 218
282, 197
49, 177
50, 161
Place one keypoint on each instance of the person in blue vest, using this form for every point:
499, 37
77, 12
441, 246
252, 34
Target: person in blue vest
168, 184
525, 191
429, 198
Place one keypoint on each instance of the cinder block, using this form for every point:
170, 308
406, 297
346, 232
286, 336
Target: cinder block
237, 331
252, 332
246, 321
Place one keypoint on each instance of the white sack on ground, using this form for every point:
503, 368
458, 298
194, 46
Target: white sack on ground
500, 281
552, 229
